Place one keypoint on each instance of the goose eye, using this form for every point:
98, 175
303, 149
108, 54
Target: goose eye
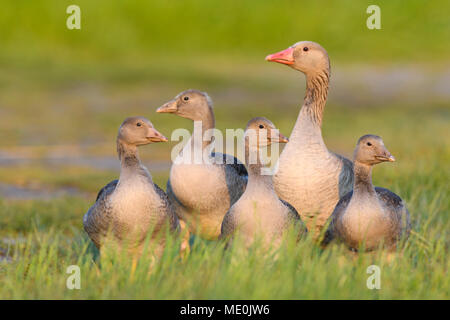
369, 144
261, 126
139, 124
186, 98
305, 48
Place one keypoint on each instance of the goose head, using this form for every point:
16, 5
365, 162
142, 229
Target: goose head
370, 150
305, 56
136, 131
191, 104
261, 132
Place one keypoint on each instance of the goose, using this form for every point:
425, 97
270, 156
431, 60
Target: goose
309, 176
259, 212
202, 191
369, 216
127, 209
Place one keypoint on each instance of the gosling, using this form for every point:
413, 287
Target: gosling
202, 191
132, 208
369, 217
260, 214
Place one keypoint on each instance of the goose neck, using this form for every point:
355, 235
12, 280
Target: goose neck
203, 125
255, 166
316, 96
128, 156
362, 179
307, 130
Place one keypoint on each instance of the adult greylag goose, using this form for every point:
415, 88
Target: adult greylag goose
309, 176
202, 191
369, 216
128, 209
260, 213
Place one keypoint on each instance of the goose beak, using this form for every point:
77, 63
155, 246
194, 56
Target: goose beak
387, 157
154, 135
168, 107
282, 138
283, 57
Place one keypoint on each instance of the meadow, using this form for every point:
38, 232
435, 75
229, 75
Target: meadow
64, 93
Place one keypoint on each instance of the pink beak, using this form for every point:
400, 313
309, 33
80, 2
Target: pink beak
284, 57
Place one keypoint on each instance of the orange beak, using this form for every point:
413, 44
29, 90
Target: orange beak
283, 139
284, 57
168, 107
278, 138
154, 135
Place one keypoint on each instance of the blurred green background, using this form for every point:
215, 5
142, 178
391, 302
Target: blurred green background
133, 52
64, 93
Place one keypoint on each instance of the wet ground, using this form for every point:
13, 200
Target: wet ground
101, 163
14, 192
355, 86
20, 193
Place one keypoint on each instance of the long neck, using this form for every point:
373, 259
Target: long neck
254, 166
129, 159
362, 179
309, 121
204, 123
316, 95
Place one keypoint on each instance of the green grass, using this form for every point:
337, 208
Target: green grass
65, 93
53, 240
50, 236
130, 40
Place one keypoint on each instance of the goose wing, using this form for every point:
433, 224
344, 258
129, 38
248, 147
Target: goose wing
228, 225
333, 227
107, 190
294, 217
96, 220
173, 219
231, 162
236, 175
399, 212
345, 176
293, 213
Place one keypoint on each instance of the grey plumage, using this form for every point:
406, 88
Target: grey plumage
369, 216
201, 193
309, 176
204, 193
260, 213
399, 220
106, 190
236, 175
131, 208
232, 163
97, 220
345, 176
